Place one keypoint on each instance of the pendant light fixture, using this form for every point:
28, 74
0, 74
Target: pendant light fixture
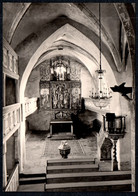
100, 96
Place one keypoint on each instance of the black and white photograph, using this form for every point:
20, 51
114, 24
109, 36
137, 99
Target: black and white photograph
68, 96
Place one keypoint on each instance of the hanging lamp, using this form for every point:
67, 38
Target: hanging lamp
101, 97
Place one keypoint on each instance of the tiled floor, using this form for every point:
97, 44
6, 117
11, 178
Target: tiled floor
39, 148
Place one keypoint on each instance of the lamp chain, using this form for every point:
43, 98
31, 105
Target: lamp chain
102, 97
100, 33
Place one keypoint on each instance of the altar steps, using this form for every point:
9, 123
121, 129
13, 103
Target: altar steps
69, 179
32, 178
87, 177
78, 175
63, 136
31, 182
100, 186
58, 162
71, 168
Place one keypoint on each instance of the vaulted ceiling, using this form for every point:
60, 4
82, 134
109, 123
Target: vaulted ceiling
69, 28
32, 18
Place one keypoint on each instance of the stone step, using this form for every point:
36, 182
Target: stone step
71, 168
31, 188
34, 175
62, 137
70, 162
88, 177
34, 180
102, 186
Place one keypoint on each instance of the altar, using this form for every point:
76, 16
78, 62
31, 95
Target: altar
60, 93
61, 126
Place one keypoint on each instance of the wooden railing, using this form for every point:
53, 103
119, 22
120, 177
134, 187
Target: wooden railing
13, 181
11, 120
10, 60
30, 106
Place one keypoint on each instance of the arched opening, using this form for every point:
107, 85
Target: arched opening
86, 61
81, 55
106, 149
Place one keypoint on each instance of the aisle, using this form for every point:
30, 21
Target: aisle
39, 148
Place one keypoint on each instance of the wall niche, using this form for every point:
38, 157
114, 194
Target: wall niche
106, 149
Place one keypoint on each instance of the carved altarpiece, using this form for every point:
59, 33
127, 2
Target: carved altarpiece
58, 93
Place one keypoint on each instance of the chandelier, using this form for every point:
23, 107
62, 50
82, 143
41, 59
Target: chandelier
101, 97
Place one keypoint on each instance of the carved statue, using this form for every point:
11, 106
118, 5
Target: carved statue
75, 97
66, 100
60, 71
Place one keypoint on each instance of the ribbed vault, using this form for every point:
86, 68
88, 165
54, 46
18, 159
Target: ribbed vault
74, 46
79, 12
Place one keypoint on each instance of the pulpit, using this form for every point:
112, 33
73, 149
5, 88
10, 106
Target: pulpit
115, 127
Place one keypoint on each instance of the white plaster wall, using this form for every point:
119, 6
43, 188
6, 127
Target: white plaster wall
10, 156
125, 143
87, 83
32, 87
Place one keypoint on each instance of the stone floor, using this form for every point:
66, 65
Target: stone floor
40, 148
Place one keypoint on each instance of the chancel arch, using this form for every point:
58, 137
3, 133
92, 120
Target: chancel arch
46, 45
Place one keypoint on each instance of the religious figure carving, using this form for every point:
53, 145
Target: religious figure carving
60, 95
45, 95
76, 97
59, 68
45, 72
66, 99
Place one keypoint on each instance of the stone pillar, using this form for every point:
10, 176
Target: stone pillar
115, 162
22, 149
4, 165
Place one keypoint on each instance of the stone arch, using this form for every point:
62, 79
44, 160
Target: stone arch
58, 35
17, 20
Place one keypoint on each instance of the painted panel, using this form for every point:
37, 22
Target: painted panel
44, 95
